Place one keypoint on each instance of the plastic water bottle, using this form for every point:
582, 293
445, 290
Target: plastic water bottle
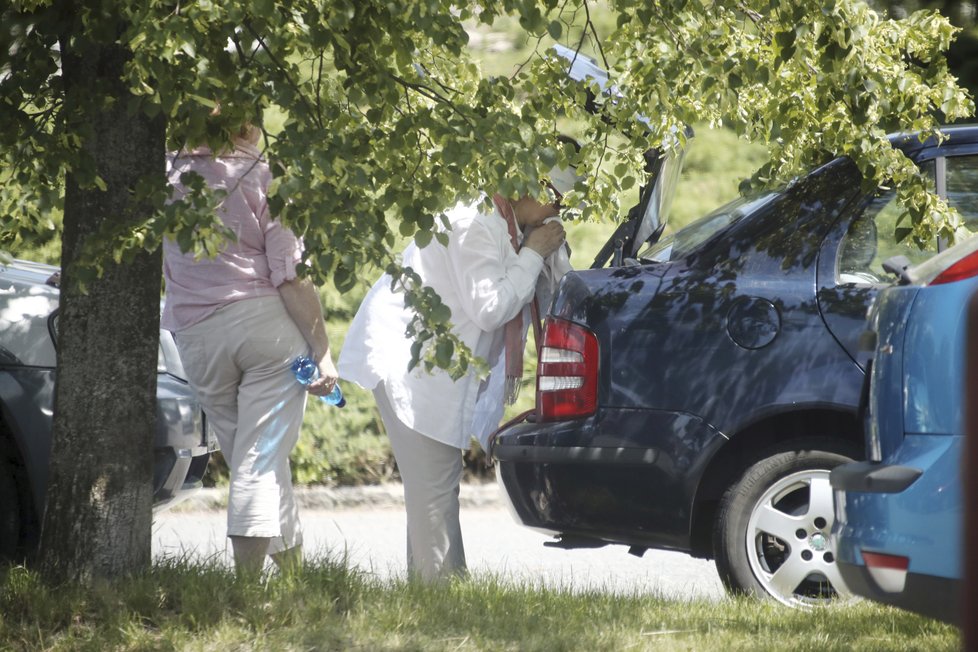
306, 371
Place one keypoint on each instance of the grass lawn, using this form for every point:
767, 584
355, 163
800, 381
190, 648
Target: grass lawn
183, 606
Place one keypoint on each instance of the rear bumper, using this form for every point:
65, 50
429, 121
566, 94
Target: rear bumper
623, 476
177, 475
910, 507
182, 444
934, 597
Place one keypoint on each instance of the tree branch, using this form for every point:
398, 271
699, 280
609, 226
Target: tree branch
319, 83
431, 94
284, 72
754, 16
589, 24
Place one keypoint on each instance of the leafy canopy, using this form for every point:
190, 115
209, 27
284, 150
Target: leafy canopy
377, 117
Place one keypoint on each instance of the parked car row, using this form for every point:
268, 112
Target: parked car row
698, 393
29, 297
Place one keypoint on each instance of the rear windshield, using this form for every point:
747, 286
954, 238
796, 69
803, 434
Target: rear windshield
683, 242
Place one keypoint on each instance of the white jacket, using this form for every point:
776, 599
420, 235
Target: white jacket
485, 284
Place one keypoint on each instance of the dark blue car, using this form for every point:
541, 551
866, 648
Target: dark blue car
695, 394
899, 514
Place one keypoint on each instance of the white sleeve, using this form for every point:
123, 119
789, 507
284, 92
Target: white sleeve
494, 283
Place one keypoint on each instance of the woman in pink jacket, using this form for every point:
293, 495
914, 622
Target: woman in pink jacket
239, 320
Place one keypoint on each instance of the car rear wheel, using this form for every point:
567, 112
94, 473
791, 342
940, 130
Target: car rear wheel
10, 521
772, 532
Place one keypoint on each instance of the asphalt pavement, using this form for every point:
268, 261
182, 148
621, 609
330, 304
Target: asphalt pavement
366, 525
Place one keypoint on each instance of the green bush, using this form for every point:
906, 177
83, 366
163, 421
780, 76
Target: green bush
343, 446
337, 446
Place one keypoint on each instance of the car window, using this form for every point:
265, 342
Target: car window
681, 243
962, 188
872, 239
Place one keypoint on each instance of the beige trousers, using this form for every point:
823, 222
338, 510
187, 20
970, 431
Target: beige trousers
238, 362
431, 472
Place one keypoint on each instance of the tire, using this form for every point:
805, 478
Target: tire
10, 511
771, 538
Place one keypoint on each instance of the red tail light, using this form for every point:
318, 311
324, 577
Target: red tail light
567, 372
891, 562
888, 571
964, 268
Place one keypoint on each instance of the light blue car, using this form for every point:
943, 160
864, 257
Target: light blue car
899, 515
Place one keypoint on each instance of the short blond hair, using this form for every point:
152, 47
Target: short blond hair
248, 133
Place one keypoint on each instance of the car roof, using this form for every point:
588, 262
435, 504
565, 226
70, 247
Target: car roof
956, 134
27, 272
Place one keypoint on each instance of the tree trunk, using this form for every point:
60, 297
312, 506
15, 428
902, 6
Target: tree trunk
98, 516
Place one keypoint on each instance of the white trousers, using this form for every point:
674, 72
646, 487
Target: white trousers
431, 472
238, 362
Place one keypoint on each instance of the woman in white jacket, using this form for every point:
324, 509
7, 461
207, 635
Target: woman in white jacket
487, 276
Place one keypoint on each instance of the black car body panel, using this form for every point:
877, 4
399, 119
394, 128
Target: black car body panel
624, 476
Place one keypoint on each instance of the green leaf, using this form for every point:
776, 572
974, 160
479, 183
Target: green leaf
441, 314
444, 350
415, 354
786, 44
423, 238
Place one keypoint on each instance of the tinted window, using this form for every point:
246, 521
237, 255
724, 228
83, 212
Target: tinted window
686, 240
962, 188
872, 239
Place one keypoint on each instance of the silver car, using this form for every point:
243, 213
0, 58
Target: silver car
29, 299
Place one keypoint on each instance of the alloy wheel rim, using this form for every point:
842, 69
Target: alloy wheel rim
789, 547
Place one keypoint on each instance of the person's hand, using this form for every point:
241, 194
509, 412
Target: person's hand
327, 378
545, 239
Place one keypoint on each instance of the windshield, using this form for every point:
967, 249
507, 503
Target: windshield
681, 243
